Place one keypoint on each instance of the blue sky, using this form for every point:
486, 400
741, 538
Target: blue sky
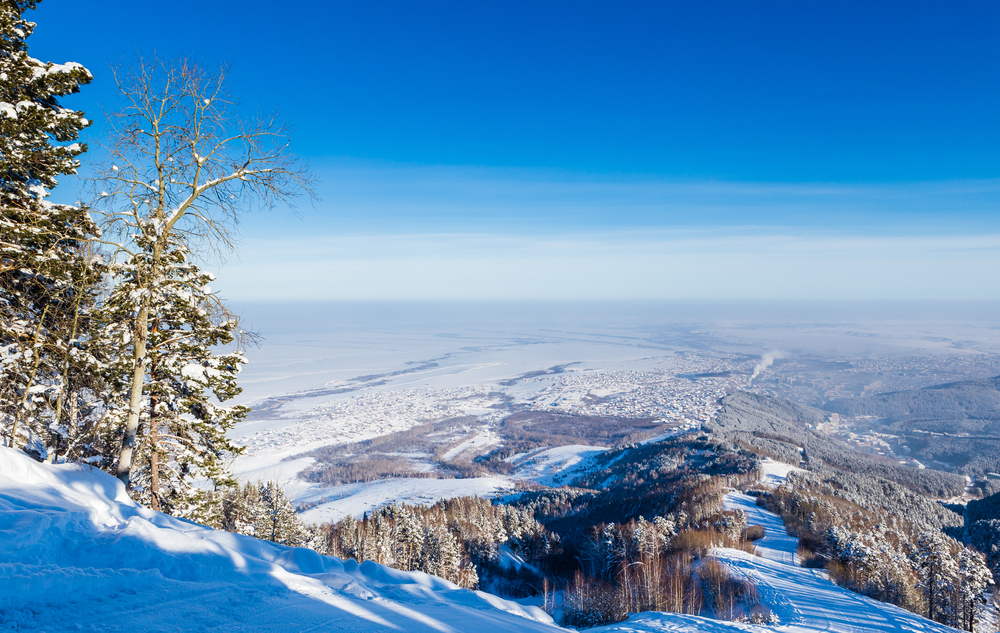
592, 150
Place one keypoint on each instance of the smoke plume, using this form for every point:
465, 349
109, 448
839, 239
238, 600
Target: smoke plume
766, 360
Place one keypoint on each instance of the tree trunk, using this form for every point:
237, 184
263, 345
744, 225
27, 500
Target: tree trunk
138, 373
135, 397
154, 466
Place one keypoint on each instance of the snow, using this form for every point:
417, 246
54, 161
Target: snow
76, 553
558, 466
478, 441
777, 545
356, 499
775, 473
805, 600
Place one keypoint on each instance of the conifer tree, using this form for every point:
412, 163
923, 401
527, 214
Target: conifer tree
45, 264
242, 512
975, 580
280, 525
184, 436
937, 570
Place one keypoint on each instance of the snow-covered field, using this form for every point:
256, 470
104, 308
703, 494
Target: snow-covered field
557, 466
357, 499
77, 554
339, 387
775, 473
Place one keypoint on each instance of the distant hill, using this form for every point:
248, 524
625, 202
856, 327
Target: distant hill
970, 408
781, 429
968, 399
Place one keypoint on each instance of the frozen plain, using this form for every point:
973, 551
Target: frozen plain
332, 373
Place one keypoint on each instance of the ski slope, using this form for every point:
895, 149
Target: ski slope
805, 600
777, 545
77, 554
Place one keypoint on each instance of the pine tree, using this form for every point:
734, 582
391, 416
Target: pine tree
975, 580
184, 438
411, 539
938, 573
242, 511
279, 523
45, 264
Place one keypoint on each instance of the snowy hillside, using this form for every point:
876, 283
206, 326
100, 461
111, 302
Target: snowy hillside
804, 600
77, 554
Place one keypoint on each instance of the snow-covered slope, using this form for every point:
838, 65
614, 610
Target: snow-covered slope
77, 554
356, 499
805, 600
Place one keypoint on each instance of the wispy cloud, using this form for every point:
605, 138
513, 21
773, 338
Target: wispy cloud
365, 196
629, 264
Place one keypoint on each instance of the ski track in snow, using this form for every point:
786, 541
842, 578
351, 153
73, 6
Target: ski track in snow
777, 545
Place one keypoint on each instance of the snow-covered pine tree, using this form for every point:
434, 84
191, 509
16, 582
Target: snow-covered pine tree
410, 539
78, 429
183, 432
975, 579
242, 512
938, 573
44, 262
280, 525
450, 552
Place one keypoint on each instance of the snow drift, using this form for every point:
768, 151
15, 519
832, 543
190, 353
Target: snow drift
77, 554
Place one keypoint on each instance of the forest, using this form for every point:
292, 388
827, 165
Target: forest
956, 423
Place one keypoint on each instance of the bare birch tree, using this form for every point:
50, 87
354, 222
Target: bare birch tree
181, 168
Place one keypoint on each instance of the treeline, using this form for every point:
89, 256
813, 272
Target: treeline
982, 528
882, 555
263, 511
676, 475
468, 540
110, 333
877, 496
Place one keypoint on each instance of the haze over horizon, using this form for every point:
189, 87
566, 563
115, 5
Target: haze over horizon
564, 151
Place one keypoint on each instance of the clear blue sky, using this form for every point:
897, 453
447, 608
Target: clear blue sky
571, 128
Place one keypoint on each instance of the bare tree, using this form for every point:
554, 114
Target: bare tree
181, 168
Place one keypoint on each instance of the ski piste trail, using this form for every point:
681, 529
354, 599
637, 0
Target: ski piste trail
805, 600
